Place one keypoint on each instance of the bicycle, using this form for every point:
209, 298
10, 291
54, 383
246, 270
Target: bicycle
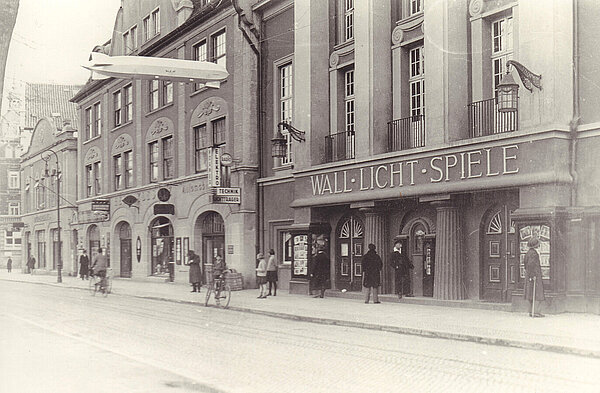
220, 290
96, 282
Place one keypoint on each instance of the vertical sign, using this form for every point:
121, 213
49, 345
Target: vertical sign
214, 167
178, 251
186, 247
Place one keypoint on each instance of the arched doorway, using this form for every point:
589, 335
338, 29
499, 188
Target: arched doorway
499, 255
213, 237
161, 241
124, 236
349, 252
93, 241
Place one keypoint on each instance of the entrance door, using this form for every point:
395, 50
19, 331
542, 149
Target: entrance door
350, 246
125, 246
500, 264
428, 266
213, 239
162, 245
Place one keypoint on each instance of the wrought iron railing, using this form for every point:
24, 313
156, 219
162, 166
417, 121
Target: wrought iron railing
485, 119
406, 133
339, 146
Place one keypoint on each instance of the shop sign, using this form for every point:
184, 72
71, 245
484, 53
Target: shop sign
164, 208
42, 217
228, 191
301, 255
480, 163
214, 167
198, 186
138, 249
101, 205
226, 159
231, 199
88, 216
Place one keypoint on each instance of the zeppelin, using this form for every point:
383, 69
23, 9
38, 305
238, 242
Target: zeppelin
141, 67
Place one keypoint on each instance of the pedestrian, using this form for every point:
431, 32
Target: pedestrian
84, 265
320, 271
261, 276
401, 265
195, 271
272, 272
31, 264
9, 265
372, 265
533, 277
99, 266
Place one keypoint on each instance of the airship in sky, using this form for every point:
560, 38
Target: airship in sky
159, 68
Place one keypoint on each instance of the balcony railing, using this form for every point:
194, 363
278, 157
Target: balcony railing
339, 146
485, 119
406, 133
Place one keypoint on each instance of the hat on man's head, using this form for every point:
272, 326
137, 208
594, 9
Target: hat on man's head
533, 242
372, 247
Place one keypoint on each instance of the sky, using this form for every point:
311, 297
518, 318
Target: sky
52, 38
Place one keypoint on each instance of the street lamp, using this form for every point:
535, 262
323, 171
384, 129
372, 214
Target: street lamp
279, 143
57, 174
508, 89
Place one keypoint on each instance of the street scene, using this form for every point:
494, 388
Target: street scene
299, 195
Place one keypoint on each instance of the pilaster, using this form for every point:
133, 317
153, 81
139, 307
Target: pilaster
448, 279
376, 233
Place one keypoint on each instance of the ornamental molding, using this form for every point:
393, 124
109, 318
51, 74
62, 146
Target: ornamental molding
160, 127
336, 56
406, 25
209, 109
334, 59
92, 155
123, 143
475, 7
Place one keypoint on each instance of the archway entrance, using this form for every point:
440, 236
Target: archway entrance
349, 252
213, 237
93, 241
161, 241
124, 232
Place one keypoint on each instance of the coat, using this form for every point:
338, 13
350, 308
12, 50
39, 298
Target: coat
401, 264
320, 268
31, 263
371, 264
84, 263
195, 270
533, 269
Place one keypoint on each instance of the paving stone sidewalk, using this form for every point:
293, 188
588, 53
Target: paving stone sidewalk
563, 333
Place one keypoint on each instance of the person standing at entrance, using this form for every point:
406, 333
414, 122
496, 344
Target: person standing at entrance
261, 276
195, 271
31, 264
320, 271
272, 273
533, 276
84, 265
9, 265
402, 265
371, 273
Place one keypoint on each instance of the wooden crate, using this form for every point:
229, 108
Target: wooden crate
235, 281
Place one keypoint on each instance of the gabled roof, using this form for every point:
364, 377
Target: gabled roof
50, 100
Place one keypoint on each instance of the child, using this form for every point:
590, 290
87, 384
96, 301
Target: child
261, 276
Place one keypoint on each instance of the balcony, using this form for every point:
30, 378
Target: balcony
406, 133
485, 119
339, 146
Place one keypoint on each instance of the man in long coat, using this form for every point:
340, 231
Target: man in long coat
31, 264
533, 271
320, 271
401, 265
195, 271
84, 265
372, 265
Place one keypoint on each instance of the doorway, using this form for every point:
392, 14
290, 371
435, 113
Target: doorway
213, 238
161, 241
93, 241
349, 253
125, 249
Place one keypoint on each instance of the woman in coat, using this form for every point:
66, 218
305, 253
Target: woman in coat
372, 265
533, 271
84, 266
195, 271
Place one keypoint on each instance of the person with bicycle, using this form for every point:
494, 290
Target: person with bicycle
218, 268
99, 266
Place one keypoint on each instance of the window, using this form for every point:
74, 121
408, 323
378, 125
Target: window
128, 97
93, 121
97, 121
167, 95
117, 108
126, 39
88, 123
153, 153
128, 168
152, 25
201, 145
199, 54
153, 98
133, 38
417, 81
219, 49
147, 35
97, 178
160, 93
118, 168
349, 99
13, 179
14, 208
348, 20
218, 131
414, 6
156, 21
287, 246
13, 238
40, 192
502, 47
286, 106
41, 247
93, 179
168, 168
89, 174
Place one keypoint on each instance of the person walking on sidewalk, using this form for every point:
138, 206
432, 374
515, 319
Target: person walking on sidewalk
272, 273
320, 271
84, 265
371, 273
533, 271
9, 265
261, 276
402, 266
31, 264
195, 271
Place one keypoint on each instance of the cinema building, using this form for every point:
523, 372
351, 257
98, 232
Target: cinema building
403, 124
147, 193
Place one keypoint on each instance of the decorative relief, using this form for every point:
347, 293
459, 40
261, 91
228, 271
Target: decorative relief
334, 59
159, 127
406, 25
210, 108
122, 143
207, 107
397, 35
92, 155
475, 7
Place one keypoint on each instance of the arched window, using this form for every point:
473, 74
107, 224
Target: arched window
495, 225
213, 224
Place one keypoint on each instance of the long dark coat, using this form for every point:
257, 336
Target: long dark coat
533, 269
320, 268
400, 264
195, 271
372, 265
84, 265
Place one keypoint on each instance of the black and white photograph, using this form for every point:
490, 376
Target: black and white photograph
254, 196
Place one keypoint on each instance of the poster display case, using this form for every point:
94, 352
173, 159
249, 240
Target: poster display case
543, 233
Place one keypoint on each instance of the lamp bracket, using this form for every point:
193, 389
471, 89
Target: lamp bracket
528, 78
295, 133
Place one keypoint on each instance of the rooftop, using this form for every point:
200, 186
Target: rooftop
50, 100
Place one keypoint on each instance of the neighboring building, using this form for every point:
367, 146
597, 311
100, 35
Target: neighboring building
404, 141
147, 150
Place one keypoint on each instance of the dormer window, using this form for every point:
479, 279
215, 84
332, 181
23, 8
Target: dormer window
152, 25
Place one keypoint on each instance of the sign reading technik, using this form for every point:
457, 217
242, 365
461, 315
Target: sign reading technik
471, 164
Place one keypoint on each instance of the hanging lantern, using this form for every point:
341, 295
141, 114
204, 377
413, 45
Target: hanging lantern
508, 94
279, 146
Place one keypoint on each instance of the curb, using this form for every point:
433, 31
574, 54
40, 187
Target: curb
368, 326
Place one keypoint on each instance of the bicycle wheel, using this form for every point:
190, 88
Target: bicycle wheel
224, 296
109, 284
209, 290
106, 287
92, 285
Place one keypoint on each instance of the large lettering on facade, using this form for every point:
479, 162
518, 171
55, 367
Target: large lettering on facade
462, 166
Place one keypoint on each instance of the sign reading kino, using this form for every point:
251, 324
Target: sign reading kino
484, 162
